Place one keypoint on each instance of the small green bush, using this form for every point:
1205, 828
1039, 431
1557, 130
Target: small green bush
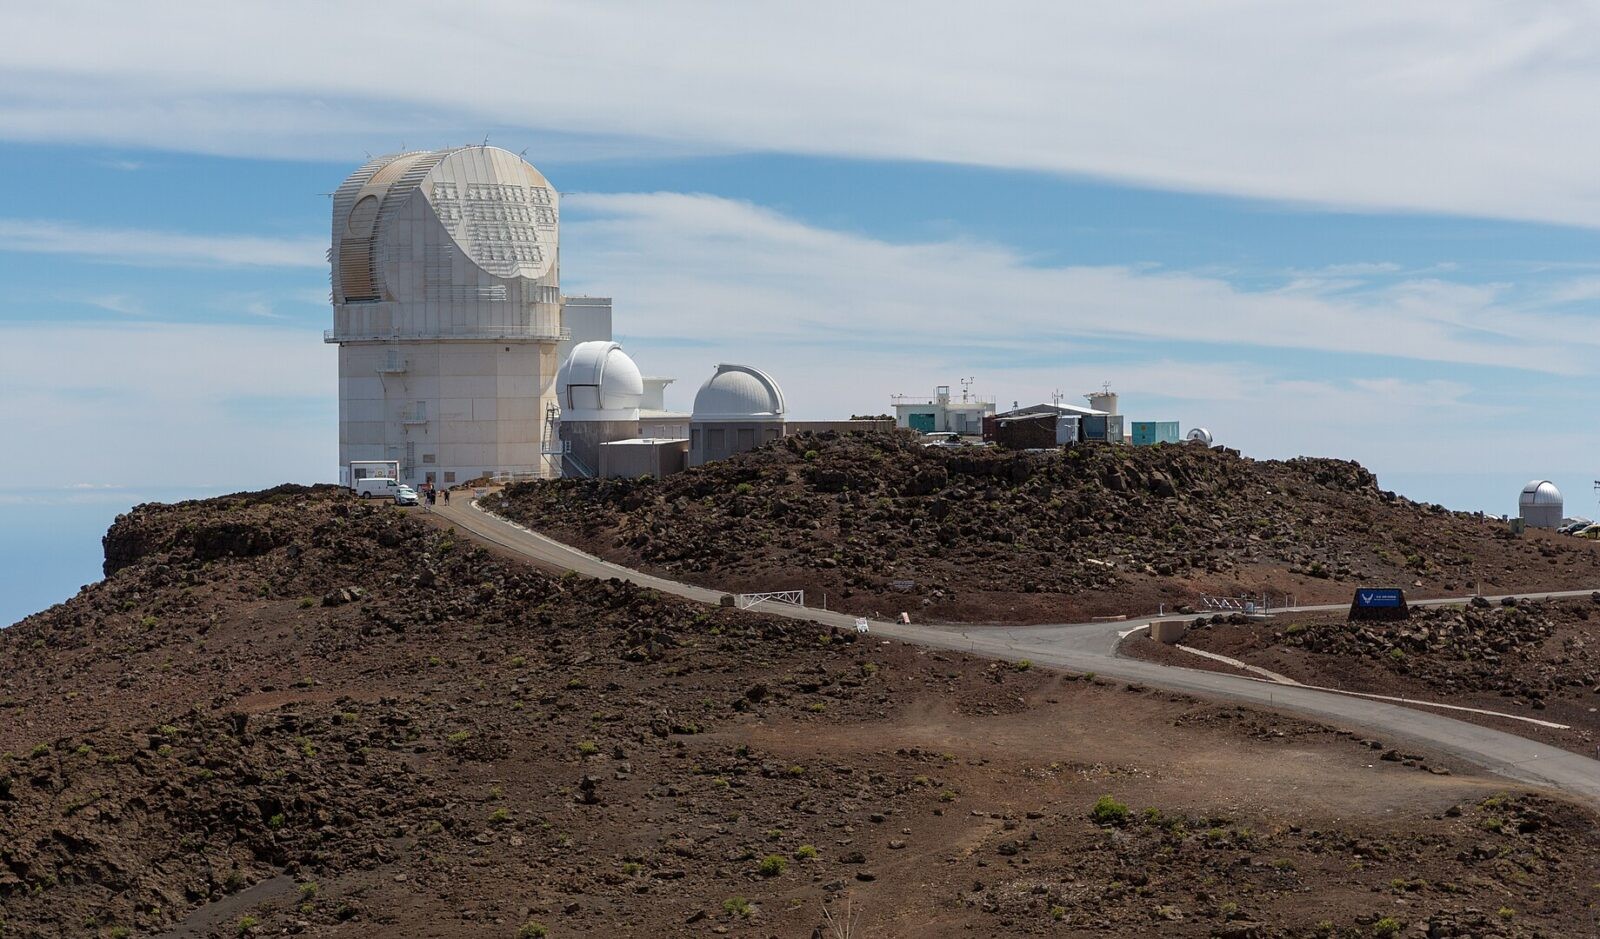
1108, 811
772, 865
806, 852
588, 748
738, 906
1023, 665
1386, 928
247, 924
532, 930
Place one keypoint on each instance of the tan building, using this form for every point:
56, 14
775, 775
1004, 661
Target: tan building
447, 310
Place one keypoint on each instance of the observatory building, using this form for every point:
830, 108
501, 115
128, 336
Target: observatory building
599, 391
739, 408
1540, 504
448, 314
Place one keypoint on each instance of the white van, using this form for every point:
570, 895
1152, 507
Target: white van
381, 487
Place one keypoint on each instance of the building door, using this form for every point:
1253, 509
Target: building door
921, 422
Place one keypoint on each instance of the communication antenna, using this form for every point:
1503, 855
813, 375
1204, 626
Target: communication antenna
966, 386
485, 140
1056, 396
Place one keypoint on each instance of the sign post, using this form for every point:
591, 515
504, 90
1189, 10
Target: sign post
1380, 604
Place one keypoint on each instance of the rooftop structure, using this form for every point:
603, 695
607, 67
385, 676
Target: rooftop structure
941, 414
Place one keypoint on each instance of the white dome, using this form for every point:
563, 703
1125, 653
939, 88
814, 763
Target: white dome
739, 393
1540, 492
598, 381
461, 224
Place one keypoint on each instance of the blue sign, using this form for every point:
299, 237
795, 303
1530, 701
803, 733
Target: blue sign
1376, 598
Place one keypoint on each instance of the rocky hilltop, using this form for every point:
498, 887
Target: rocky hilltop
294, 713
881, 523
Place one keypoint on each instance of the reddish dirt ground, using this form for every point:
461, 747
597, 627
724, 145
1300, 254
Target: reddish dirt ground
290, 713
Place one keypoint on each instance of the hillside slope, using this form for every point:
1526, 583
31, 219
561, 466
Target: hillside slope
291, 712
880, 523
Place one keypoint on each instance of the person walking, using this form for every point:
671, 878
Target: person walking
447, 497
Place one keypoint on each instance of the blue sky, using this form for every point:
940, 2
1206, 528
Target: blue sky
1359, 232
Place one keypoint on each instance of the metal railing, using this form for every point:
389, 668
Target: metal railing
531, 333
924, 400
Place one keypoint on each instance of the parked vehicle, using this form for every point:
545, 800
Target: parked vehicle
405, 495
381, 487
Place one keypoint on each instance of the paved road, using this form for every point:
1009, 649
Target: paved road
1091, 647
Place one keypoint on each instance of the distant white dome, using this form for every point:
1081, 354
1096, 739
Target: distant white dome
739, 393
599, 382
1540, 492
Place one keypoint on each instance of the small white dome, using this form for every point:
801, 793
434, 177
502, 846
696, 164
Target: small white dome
598, 381
1540, 492
739, 393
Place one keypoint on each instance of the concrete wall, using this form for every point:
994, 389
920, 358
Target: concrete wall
588, 318
585, 438
674, 427
449, 411
1542, 516
632, 459
715, 440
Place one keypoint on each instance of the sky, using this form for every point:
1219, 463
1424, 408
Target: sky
1364, 230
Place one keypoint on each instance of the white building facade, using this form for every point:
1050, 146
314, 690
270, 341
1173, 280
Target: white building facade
447, 312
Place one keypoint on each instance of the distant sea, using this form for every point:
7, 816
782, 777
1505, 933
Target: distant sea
50, 542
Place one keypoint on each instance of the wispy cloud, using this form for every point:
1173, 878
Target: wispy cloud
158, 248
125, 166
166, 411
1459, 106
716, 267
117, 303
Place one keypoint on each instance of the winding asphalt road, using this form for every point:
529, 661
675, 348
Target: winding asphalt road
1091, 647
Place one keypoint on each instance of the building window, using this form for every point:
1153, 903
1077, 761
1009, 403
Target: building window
449, 477
427, 458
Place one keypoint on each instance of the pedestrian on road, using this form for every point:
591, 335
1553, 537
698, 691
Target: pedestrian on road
447, 497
